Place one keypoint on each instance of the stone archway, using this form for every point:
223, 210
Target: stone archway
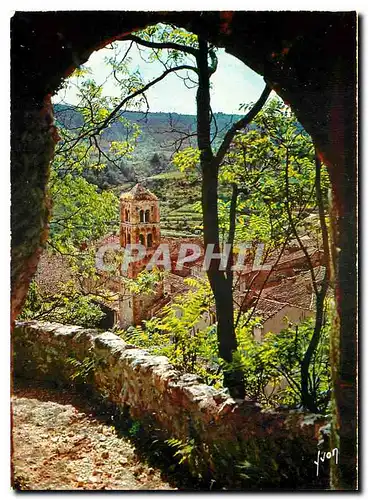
309, 59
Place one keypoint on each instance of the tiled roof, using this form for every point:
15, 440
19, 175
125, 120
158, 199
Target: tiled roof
268, 308
109, 239
53, 272
138, 192
177, 284
112, 302
296, 291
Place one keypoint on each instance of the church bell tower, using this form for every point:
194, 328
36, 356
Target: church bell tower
139, 223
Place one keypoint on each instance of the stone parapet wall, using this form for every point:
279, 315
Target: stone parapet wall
278, 446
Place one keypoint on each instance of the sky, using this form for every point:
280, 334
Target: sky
233, 84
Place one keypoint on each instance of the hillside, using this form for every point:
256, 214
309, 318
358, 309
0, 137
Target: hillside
151, 164
160, 133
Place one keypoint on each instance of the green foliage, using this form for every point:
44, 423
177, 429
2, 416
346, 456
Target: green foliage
145, 282
186, 453
179, 334
238, 464
85, 143
272, 366
257, 162
271, 162
168, 33
202, 461
135, 428
82, 368
187, 160
68, 306
80, 213
156, 138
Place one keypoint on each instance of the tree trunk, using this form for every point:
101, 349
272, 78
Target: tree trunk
307, 398
221, 283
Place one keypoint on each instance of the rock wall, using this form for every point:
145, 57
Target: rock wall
271, 449
32, 145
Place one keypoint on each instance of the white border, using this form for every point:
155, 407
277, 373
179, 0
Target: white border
6, 10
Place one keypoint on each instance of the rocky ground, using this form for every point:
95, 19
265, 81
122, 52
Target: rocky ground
60, 444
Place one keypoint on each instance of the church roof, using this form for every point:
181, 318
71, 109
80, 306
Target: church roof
138, 192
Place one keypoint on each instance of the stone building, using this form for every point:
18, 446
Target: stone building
139, 223
283, 295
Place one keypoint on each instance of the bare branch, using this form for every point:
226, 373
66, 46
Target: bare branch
292, 225
141, 91
213, 117
163, 45
214, 61
109, 118
243, 122
322, 218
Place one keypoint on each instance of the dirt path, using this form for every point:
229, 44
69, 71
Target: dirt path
57, 446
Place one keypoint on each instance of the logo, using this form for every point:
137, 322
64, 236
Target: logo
188, 253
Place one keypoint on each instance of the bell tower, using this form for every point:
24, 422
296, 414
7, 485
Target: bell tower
139, 223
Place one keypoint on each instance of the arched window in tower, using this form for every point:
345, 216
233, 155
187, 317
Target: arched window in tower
129, 239
149, 240
126, 215
141, 215
141, 239
147, 216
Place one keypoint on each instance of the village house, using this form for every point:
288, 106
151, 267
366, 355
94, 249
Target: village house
286, 292
283, 295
